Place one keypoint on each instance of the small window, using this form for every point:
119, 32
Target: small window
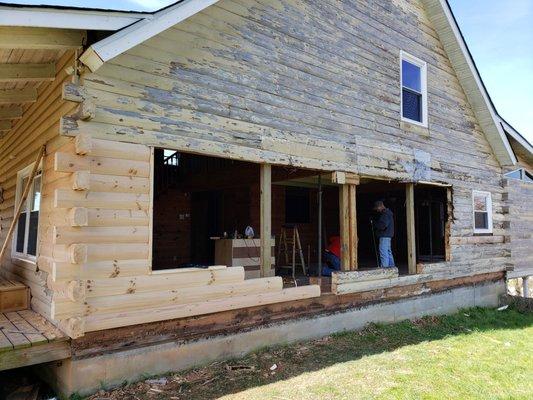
297, 205
520, 174
414, 89
482, 203
25, 238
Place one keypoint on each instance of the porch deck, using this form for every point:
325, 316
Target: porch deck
26, 338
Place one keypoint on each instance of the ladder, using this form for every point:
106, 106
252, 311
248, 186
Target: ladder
290, 240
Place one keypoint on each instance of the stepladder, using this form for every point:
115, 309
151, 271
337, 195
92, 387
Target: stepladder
290, 247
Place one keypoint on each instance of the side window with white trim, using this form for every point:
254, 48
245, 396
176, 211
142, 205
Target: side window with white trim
414, 89
482, 203
25, 238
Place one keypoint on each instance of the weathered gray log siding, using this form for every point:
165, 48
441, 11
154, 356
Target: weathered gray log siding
310, 83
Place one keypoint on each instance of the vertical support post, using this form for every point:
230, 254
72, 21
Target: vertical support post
319, 201
353, 227
344, 214
525, 286
266, 219
448, 226
411, 240
348, 226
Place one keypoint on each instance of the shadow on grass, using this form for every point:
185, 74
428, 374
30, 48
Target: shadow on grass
254, 370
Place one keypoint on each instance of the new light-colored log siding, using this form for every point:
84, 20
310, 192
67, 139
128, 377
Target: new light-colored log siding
95, 246
306, 83
18, 149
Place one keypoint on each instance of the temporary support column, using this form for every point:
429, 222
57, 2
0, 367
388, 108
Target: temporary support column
348, 220
411, 240
266, 219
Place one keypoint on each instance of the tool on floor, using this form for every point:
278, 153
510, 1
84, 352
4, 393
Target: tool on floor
290, 239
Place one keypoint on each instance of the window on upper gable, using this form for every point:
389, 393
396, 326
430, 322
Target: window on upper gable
414, 89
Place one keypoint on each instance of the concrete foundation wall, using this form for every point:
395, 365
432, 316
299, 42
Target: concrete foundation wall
85, 376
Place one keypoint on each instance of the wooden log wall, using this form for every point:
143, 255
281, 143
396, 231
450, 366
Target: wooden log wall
18, 149
97, 248
520, 209
313, 84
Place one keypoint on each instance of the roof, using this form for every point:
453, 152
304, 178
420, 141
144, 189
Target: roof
133, 28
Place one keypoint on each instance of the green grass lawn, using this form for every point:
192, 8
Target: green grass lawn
476, 353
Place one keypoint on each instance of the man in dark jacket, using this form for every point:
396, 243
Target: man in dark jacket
385, 233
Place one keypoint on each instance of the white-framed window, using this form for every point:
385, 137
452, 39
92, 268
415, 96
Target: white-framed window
482, 209
414, 98
25, 237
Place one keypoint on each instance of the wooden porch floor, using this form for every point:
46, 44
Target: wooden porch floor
26, 338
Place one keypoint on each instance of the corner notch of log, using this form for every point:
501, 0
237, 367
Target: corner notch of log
73, 92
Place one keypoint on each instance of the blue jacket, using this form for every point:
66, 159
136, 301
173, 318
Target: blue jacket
385, 224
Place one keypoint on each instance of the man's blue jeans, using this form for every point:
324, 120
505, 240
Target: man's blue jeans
385, 252
333, 263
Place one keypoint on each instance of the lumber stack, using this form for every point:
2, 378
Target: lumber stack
97, 247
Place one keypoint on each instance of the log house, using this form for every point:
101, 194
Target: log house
166, 134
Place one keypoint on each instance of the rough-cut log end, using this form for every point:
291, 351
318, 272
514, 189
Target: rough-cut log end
81, 180
73, 92
78, 253
83, 144
79, 216
73, 327
68, 126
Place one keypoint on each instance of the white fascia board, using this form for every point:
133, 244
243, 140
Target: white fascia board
143, 30
517, 136
68, 19
506, 156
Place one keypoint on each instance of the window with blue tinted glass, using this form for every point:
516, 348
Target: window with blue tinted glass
413, 89
411, 76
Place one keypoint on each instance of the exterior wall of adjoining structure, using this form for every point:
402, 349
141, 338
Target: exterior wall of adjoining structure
520, 208
19, 149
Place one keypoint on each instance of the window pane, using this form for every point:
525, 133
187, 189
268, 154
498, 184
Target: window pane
32, 234
514, 174
480, 202
481, 220
412, 105
411, 76
22, 187
21, 231
36, 200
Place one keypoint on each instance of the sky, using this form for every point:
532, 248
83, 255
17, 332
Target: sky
498, 33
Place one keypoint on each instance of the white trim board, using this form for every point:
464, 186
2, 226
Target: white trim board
444, 23
68, 19
118, 43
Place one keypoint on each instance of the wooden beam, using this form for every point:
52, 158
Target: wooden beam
11, 113
27, 72
348, 227
17, 37
266, 218
353, 226
344, 214
411, 239
27, 95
